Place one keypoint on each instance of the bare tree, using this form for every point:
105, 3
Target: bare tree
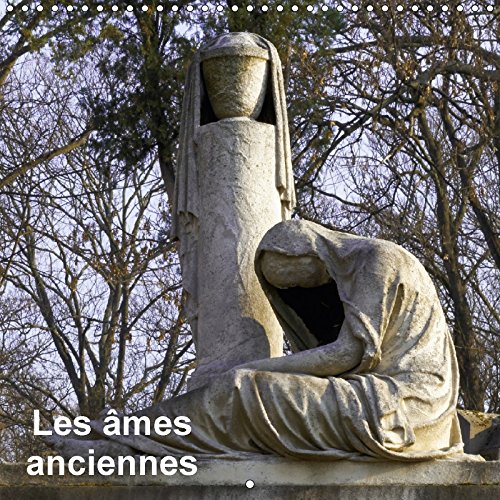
24, 34
91, 307
414, 99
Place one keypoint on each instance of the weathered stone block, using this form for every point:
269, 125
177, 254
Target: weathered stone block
273, 479
480, 433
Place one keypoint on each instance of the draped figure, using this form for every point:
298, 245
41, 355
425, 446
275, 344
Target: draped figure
374, 373
234, 181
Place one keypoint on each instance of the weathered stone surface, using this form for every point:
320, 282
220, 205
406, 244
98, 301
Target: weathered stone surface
286, 271
236, 85
236, 75
273, 479
376, 376
393, 377
234, 181
480, 433
238, 204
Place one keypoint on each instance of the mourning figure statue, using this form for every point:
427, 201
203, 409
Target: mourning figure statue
374, 375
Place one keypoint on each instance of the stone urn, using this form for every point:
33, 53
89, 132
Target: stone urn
236, 73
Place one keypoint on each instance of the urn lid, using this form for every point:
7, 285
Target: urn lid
235, 44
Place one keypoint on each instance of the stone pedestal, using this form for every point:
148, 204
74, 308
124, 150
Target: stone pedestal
239, 202
272, 479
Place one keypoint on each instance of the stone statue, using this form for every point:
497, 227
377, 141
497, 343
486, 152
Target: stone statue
234, 181
374, 376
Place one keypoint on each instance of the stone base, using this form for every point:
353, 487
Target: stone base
273, 479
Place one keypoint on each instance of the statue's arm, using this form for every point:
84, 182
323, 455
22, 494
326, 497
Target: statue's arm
332, 359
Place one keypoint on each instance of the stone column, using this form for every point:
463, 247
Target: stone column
238, 204
234, 181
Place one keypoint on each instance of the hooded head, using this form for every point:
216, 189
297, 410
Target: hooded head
299, 283
197, 111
